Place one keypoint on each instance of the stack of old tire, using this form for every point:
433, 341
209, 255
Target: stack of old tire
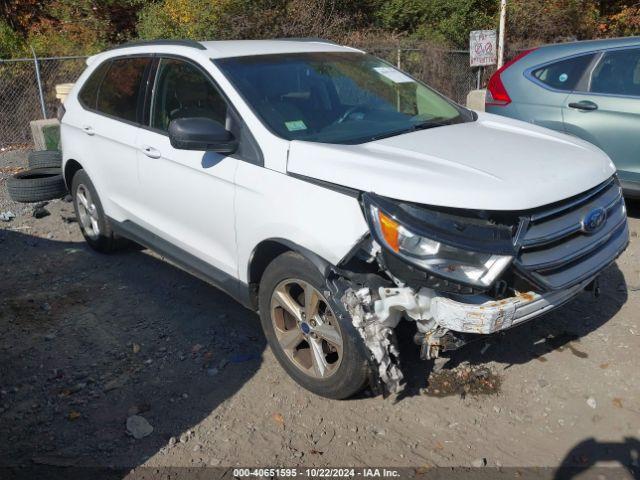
42, 181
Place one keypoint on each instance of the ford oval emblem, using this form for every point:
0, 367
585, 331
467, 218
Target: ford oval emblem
594, 220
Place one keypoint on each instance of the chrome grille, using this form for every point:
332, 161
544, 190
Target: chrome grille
557, 252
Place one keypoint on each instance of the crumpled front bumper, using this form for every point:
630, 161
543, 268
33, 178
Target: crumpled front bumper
479, 315
376, 313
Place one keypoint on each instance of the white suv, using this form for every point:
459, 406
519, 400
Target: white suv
335, 195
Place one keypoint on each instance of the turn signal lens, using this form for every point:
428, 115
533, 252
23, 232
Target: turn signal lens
389, 230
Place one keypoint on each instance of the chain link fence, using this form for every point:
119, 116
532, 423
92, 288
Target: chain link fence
447, 71
22, 81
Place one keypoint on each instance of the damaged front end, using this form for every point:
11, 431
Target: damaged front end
463, 274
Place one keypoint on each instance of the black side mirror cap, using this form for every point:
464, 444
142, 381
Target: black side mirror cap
204, 134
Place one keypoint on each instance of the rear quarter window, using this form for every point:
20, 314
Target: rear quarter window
88, 95
563, 74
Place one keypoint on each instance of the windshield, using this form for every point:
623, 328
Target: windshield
336, 97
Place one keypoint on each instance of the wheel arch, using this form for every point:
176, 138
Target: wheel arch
71, 167
267, 250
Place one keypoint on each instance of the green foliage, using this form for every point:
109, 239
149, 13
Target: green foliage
72, 26
445, 21
11, 44
623, 24
545, 21
195, 19
59, 27
228, 19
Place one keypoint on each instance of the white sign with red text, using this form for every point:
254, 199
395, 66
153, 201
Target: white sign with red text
483, 47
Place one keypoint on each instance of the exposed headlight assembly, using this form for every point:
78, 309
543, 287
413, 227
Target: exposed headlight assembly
467, 251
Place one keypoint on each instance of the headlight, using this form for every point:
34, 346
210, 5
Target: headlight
460, 265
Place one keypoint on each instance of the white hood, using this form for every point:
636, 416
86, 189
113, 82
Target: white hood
494, 163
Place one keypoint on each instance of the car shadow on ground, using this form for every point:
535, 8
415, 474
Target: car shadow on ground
558, 330
88, 340
622, 460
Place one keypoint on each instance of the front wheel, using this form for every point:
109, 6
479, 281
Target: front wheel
309, 332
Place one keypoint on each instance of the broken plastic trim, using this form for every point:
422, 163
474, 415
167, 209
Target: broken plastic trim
379, 338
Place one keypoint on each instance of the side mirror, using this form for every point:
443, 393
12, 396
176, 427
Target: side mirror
199, 133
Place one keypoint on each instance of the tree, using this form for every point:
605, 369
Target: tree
19, 15
226, 19
532, 22
194, 19
68, 26
86, 26
622, 24
11, 44
445, 21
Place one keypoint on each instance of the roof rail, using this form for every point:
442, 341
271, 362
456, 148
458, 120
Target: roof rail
304, 39
142, 43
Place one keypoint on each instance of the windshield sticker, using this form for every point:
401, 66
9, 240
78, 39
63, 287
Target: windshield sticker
295, 125
394, 75
563, 78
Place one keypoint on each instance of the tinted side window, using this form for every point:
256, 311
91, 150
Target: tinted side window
565, 74
617, 73
181, 91
89, 92
121, 93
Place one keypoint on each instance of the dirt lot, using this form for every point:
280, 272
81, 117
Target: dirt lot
88, 340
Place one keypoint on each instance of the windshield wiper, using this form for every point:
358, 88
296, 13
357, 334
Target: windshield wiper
431, 124
418, 126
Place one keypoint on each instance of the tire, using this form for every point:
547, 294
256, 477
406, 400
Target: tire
45, 159
347, 369
101, 239
36, 185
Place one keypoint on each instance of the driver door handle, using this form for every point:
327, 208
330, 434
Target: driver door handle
584, 105
150, 151
88, 129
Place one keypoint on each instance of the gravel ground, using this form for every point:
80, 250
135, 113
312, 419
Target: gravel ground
97, 350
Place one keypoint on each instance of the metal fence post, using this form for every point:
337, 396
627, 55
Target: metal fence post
37, 65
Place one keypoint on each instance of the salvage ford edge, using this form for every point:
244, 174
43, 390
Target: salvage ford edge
336, 195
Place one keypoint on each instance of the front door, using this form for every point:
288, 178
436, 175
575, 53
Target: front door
188, 195
607, 112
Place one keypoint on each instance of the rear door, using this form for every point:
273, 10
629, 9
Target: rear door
605, 109
110, 125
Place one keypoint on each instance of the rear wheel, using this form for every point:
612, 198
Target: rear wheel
93, 222
310, 334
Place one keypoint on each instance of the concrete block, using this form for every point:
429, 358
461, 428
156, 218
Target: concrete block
40, 132
475, 100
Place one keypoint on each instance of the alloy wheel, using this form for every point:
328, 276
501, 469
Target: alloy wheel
306, 328
87, 212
